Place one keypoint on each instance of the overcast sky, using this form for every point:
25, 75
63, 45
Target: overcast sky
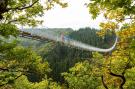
75, 16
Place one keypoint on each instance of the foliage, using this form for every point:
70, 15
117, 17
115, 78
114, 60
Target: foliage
20, 65
23, 83
24, 11
85, 75
120, 19
20, 61
60, 56
21, 68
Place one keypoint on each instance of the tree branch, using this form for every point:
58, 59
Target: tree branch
12, 21
22, 8
3, 7
9, 70
12, 80
120, 76
102, 77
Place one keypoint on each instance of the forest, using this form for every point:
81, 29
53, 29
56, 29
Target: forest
27, 63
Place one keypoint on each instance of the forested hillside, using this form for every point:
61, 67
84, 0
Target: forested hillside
39, 64
63, 56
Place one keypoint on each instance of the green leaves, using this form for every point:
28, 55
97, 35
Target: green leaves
16, 61
117, 14
94, 10
8, 29
23, 83
36, 10
82, 76
22, 61
24, 12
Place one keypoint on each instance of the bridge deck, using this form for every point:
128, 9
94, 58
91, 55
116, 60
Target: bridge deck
34, 37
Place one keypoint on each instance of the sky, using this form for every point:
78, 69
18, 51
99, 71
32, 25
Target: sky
75, 16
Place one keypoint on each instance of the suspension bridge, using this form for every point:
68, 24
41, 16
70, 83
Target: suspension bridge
51, 36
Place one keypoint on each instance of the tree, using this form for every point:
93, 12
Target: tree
23, 12
16, 61
86, 74
121, 60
